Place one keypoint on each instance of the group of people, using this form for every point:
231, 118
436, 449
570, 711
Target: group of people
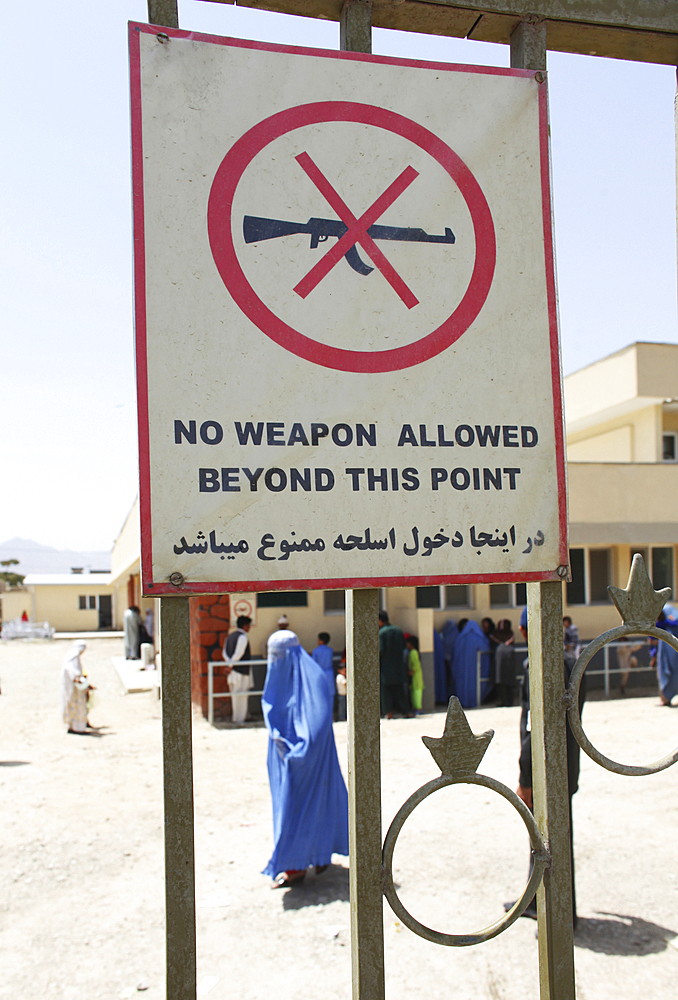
138, 631
400, 673
237, 656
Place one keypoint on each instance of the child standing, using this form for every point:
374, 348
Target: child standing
415, 672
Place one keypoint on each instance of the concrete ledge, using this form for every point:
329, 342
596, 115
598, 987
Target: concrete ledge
135, 680
88, 635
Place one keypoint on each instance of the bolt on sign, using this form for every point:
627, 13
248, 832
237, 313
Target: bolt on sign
346, 320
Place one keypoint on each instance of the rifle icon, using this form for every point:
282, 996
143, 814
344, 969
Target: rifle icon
320, 230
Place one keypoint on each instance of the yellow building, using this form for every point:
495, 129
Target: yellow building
622, 448
70, 602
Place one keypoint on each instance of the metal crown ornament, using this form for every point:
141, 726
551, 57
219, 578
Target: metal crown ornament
639, 605
458, 751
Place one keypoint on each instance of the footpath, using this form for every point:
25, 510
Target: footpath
81, 870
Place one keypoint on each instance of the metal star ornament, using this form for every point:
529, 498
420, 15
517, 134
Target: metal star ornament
458, 751
639, 605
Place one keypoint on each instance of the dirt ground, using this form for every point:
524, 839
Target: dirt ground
81, 875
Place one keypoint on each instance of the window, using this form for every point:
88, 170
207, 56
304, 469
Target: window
662, 568
576, 589
86, 602
428, 597
591, 575
334, 602
92, 602
82, 603
600, 575
508, 595
669, 452
440, 598
457, 597
279, 599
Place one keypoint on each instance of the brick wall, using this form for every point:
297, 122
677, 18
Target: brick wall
210, 618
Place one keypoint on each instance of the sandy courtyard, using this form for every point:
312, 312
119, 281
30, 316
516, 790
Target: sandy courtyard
81, 875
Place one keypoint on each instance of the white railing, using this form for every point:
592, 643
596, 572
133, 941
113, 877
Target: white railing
211, 694
26, 630
606, 671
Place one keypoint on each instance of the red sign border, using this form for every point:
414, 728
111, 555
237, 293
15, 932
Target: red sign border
219, 227
159, 588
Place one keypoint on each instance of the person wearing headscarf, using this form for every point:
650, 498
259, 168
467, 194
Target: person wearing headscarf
74, 690
131, 622
308, 792
465, 664
667, 657
449, 636
415, 672
507, 663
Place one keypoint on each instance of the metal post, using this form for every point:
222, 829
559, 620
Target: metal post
549, 788
355, 26
177, 761
606, 668
479, 668
163, 12
210, 693
364, 794
363, 691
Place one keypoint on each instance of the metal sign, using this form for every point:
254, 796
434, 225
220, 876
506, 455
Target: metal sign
347, 345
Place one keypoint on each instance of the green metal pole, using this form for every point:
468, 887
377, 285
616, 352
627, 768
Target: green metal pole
364, 794
177, 760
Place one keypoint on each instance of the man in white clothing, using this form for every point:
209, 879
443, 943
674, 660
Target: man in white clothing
236, 657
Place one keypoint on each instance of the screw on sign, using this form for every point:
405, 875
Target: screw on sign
350, 231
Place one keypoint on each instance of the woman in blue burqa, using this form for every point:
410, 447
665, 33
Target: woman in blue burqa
310, 801
464, 664
667, 657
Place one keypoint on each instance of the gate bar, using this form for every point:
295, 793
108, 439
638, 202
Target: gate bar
177, 764
550, 791
547, 710
364, 794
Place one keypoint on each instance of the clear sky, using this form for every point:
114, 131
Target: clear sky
69, 453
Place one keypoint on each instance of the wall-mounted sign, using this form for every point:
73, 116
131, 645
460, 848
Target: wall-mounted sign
347, 345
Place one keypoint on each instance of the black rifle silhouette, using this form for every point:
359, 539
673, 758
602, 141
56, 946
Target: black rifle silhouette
320, 230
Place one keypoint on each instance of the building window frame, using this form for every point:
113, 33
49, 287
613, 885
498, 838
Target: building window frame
670, 444
587, 581
517, 595
442, 604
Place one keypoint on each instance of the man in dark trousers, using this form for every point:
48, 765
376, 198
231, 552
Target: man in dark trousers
236, 657
392, 668
524, 789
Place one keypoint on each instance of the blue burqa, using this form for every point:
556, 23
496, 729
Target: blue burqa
667, 657
439, 667
310, 802
464, 664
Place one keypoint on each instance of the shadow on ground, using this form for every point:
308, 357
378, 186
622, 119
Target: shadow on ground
622, 935
318, 889
13, 763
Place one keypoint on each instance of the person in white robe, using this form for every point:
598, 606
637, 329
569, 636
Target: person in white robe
131, 621
75, 690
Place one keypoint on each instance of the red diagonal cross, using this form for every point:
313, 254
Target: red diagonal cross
356, 231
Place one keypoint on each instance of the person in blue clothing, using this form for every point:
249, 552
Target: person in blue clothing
308, 792
667, 657
464, 664
323, 653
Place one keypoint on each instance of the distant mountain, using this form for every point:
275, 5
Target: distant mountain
36, 558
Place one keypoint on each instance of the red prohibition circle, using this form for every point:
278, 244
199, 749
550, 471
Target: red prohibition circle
220, 208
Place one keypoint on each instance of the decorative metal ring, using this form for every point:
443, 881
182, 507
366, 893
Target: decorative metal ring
574, 716
541, 860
